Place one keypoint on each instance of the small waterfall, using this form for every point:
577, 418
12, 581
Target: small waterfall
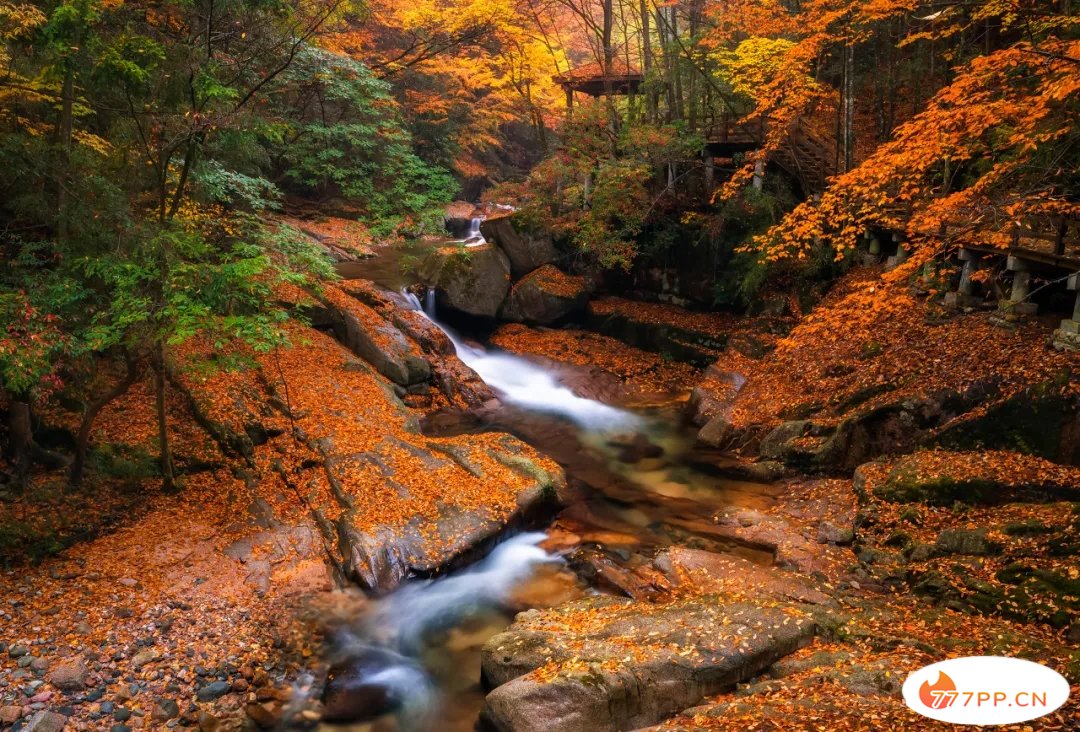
403, 618
412, 299
474, 238
525, 384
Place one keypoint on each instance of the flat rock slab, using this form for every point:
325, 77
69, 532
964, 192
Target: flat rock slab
608, 663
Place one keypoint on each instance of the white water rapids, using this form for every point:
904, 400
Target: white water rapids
525, 384
377, 668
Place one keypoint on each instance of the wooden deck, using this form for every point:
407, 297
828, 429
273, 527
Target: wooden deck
807, 156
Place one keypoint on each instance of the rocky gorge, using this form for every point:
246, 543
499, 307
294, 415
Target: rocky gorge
730, 536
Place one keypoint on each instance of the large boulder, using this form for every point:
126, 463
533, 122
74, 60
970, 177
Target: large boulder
526, 250
544, 296
458, 218
376, 340
472, 280
607, 663
379, 558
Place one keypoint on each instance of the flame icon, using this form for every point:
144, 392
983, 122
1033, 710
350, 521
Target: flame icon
939, 696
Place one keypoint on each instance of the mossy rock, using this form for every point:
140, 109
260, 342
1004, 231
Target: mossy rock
973, 542
904, 486
1043, 420
471, 280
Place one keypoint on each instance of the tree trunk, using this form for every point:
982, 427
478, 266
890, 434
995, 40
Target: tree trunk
65, 131
168, 477
20, 437
609, 69
848, 141
652, 97
677, 91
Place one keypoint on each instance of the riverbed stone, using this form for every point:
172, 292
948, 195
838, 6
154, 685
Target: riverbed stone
213, 690
471, 280
45, 721
609, 663
70, 676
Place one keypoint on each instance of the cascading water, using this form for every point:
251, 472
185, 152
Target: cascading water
474, 238
524, 384
376, 671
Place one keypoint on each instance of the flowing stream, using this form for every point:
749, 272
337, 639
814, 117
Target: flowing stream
413, 661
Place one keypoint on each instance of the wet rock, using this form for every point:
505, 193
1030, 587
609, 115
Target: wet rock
714, 395
634, 326
544, 296
830, 533
380, 560
777, 445
710, 572
635, 448
602, 570
526, 250
45, 721
717, 432
458, 218
368, 683
682, 653
70, 676
164, 710
213, 690
471, 280
265, 715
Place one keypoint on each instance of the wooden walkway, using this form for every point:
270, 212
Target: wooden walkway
805, 155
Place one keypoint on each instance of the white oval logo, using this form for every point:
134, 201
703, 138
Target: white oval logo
985, 690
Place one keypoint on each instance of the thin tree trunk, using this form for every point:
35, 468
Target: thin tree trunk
676, 73
65, 130
652, 97
849, 106
168, 476
20, 437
